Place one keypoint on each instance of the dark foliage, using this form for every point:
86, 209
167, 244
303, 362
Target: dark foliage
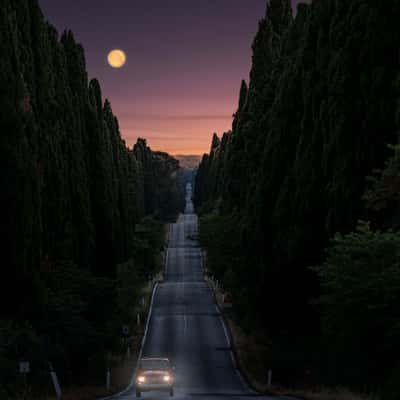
314, 121
163, 195
360, 281
72, 196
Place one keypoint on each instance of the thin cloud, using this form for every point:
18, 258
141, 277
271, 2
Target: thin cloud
143, 128
166, 138
161, 117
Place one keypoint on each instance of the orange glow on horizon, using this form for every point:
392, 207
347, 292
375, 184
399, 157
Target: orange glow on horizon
173, 150
183, 135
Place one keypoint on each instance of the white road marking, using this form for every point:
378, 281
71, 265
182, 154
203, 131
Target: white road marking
132, 382
178, 233
228, 340
170, 229
234, 361
183, 281
166, 262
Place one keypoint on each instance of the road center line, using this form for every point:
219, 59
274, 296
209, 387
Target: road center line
183, 282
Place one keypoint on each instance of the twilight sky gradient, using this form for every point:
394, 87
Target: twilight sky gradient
185, 62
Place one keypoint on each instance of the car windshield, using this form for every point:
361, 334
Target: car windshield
154, 364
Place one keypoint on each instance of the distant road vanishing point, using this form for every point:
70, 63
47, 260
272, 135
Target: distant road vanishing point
186, 326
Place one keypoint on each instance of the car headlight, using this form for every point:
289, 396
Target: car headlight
141, 379
167, 378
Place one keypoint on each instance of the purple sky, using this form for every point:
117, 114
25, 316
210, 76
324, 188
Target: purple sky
185, 62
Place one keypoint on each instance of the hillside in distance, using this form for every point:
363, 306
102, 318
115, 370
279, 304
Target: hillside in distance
190, 161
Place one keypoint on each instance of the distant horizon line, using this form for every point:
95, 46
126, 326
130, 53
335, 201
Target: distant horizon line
186, 155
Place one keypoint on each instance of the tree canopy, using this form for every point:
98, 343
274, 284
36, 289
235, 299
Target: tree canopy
314, 120
72, 197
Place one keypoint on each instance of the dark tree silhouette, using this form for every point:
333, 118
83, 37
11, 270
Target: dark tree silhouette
317, 115
72, 195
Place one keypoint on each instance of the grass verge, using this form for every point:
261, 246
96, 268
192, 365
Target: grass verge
123, 366
251, 351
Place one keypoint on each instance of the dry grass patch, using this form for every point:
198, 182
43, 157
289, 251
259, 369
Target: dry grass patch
252, 353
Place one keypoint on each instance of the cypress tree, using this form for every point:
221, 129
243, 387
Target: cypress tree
320, 108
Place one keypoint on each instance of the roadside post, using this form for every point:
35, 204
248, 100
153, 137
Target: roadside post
227, 300
108, 379
24, 368
54, 379
150, 280
125, 335
108, 370
269, 378
125, 331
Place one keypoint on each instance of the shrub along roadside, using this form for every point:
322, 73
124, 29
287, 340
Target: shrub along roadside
121, 364
79, 323
360, 283
252, 350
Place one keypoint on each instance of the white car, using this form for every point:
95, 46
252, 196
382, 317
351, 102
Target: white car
154, 374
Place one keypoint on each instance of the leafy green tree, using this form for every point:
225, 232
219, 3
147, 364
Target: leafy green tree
382, 197
360, 281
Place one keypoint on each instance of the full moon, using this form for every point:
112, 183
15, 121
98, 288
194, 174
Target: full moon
116, 58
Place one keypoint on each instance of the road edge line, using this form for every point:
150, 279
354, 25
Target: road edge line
167, 250
229, 338
132, 382
232, 351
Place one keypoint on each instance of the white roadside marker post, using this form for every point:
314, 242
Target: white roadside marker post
24, 368
108, 379
269, 377
54, 379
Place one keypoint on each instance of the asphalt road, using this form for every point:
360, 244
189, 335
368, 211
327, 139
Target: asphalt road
186, 326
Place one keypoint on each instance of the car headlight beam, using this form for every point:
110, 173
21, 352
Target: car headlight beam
166, 378
141, 379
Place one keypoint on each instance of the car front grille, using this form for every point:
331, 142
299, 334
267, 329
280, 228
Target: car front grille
154, 379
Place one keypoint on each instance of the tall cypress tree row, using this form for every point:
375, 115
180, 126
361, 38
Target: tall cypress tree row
72, 189
163, 196
314, 121
71, 196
